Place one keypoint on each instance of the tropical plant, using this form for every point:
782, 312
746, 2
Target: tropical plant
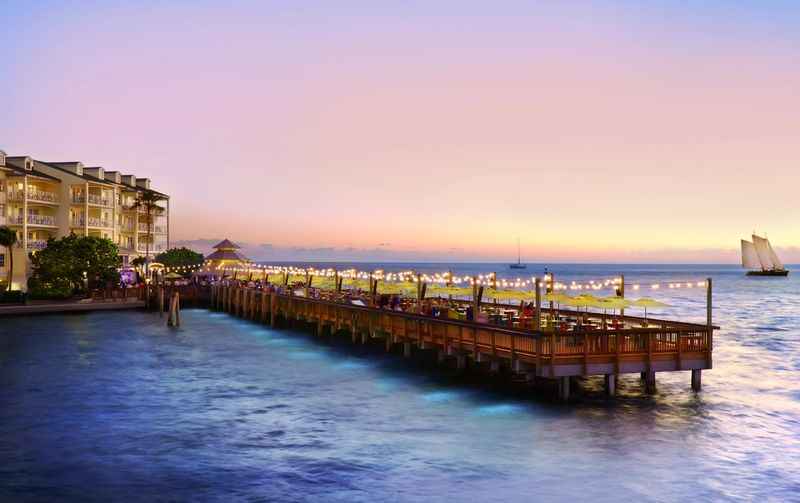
8, 238
148, 201
66, 262
180, 257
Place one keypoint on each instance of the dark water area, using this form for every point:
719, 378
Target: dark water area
116, 406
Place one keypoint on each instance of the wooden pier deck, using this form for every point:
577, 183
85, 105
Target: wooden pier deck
664, 346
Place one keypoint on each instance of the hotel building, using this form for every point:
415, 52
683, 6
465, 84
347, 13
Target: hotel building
42, 200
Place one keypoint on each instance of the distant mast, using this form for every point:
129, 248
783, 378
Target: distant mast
760, 258
519, 264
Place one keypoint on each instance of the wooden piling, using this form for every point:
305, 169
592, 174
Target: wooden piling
611, 384
709, 324
563, 388
697, 376
174, 318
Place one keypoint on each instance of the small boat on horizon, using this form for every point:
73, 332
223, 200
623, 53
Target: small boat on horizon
760, 259
519, 264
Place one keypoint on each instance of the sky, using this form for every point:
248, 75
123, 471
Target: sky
592, 131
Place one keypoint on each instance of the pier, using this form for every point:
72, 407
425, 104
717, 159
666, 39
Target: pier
639, 347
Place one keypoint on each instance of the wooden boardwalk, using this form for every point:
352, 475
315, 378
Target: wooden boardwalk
663, 346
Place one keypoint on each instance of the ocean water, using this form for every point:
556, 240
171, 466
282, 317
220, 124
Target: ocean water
115, 406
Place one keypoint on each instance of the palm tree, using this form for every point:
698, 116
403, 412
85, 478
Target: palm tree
149, 202
8, 238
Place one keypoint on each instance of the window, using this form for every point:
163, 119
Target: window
2, 259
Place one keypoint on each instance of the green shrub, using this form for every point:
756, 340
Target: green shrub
12, 297
40, 290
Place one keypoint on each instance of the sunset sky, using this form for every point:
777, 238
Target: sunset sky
593, 131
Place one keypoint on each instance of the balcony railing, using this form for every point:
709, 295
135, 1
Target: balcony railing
98, 222
34, 195
93, 199
12, 220
42, 196
99, 200
41, 220
37, 244
158, 248
127, 227
156, 229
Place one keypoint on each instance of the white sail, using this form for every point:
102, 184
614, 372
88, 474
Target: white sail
776, 262
749, 256
762, 250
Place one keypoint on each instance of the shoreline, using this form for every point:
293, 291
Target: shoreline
69, 307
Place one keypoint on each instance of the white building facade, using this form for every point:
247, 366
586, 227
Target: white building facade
42, 200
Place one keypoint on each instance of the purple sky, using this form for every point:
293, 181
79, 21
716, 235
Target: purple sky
593, 131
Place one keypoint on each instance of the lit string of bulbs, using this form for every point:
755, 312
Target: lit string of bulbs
448, 278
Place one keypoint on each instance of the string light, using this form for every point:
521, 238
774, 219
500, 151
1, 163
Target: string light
438, 278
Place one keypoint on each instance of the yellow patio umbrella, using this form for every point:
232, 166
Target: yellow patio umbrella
352, 283
556, 297
457, 291
403, 288
508, 294
612, 303
323, 282
583, 300
646, 302
275, 278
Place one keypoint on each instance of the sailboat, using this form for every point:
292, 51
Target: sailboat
760, 259
519, 264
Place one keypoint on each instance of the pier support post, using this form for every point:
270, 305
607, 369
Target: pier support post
388, 343
440, 356
563, 388
272, 303
174, 318
160, 301
494, 366
461, 362
407, 349
611, 384
650, 381
697, 377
